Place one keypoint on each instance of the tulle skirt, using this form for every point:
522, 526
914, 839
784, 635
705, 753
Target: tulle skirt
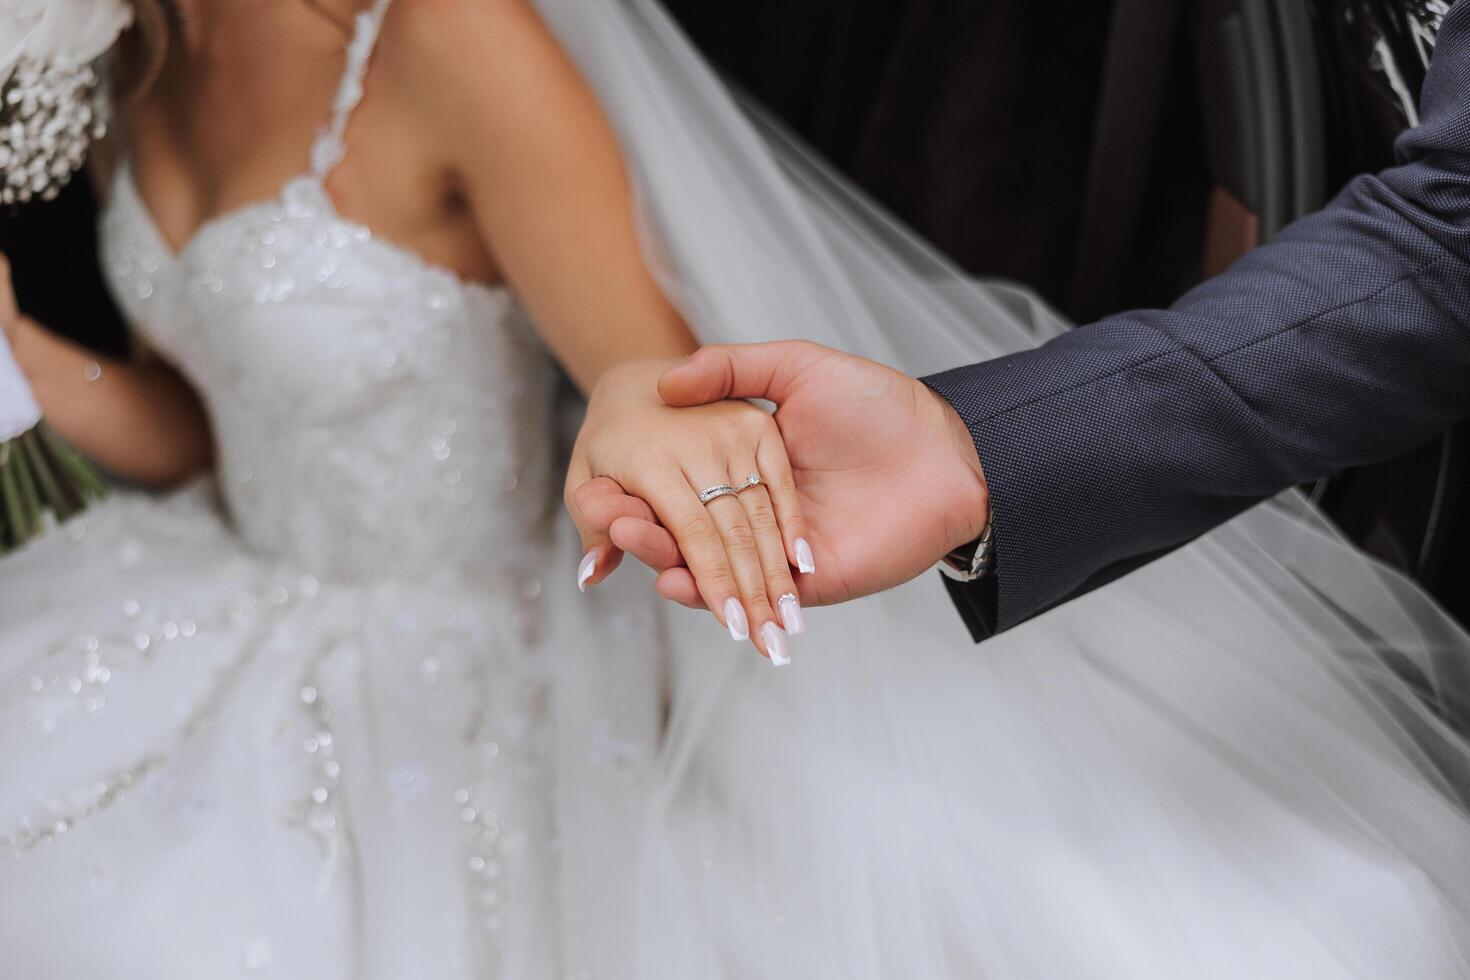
214, 763
1205, 770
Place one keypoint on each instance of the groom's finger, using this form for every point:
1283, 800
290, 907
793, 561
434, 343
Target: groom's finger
646, 541
677, 585
723, 371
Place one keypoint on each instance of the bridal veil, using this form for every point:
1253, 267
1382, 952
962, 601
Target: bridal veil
1247, 759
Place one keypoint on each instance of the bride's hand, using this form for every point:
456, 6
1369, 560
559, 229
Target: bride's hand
10, 317
740, 547
886, 472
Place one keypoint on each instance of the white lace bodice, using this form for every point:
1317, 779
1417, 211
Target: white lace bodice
371, 412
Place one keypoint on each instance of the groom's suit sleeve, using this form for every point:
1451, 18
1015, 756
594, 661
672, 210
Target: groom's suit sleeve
1344, 341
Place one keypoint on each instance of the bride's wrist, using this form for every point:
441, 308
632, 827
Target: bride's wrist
15, 330
636, 379
20, 334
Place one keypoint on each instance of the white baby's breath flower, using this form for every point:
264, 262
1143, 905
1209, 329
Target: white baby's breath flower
52, 105
61, 32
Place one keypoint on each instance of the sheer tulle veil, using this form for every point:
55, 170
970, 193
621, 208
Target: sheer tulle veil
838, 818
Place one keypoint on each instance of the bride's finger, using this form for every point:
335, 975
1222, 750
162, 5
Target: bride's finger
775, 470
699, 540
745, 563
772, 552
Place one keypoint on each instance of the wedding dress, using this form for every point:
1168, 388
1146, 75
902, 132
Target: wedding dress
340, 712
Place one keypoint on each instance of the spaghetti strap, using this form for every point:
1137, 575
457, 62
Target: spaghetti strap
327, 151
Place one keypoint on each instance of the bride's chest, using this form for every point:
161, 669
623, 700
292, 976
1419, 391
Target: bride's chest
364, 403
286, 307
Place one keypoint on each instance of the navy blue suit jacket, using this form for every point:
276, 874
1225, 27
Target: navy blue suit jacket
1343, 341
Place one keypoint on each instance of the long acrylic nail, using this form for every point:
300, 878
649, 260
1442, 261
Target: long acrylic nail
735, 620
791, 616
775, 642
586, 570
804, 560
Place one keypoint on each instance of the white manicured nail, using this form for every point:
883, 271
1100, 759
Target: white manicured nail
791, 616
775, 642
586, 570
735, 620
804, 560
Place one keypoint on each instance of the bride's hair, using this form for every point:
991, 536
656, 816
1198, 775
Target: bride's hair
141, 49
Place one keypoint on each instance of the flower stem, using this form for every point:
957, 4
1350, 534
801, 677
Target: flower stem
41, 475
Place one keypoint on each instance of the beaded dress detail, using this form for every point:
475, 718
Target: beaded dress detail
324, 658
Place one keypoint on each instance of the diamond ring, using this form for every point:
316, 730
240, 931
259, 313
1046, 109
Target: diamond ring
718, 490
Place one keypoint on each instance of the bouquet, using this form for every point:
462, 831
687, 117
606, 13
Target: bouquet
51, 107
41, 479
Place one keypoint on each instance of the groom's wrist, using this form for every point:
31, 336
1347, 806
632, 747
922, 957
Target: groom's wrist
977, 508
966, 517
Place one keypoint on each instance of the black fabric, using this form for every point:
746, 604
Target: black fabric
1141, 38
52, 248
1344, 341
969, 119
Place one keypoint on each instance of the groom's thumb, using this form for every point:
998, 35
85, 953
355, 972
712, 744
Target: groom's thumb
723, 371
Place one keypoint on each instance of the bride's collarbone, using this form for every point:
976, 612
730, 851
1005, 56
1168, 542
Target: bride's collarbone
193, 166
238, 108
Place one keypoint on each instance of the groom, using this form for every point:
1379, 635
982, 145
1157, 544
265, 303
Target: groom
1344, 341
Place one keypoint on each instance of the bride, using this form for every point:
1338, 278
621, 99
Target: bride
335, 710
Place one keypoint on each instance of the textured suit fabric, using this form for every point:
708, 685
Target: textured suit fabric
1344, 341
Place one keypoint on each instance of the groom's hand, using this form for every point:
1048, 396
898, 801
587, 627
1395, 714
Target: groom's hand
887, 474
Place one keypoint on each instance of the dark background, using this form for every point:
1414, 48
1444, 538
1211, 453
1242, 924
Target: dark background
975, 122
970, 119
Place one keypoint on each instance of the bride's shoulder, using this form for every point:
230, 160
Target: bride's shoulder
469, 54
461, 37
480, 73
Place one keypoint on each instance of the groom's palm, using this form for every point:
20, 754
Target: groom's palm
884, 487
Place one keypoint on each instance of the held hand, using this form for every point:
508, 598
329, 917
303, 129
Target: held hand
740, 546
886, 473
15, 326
10, 316
18, 409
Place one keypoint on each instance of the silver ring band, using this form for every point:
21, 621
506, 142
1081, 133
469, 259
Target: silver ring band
753, 480
718, 490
